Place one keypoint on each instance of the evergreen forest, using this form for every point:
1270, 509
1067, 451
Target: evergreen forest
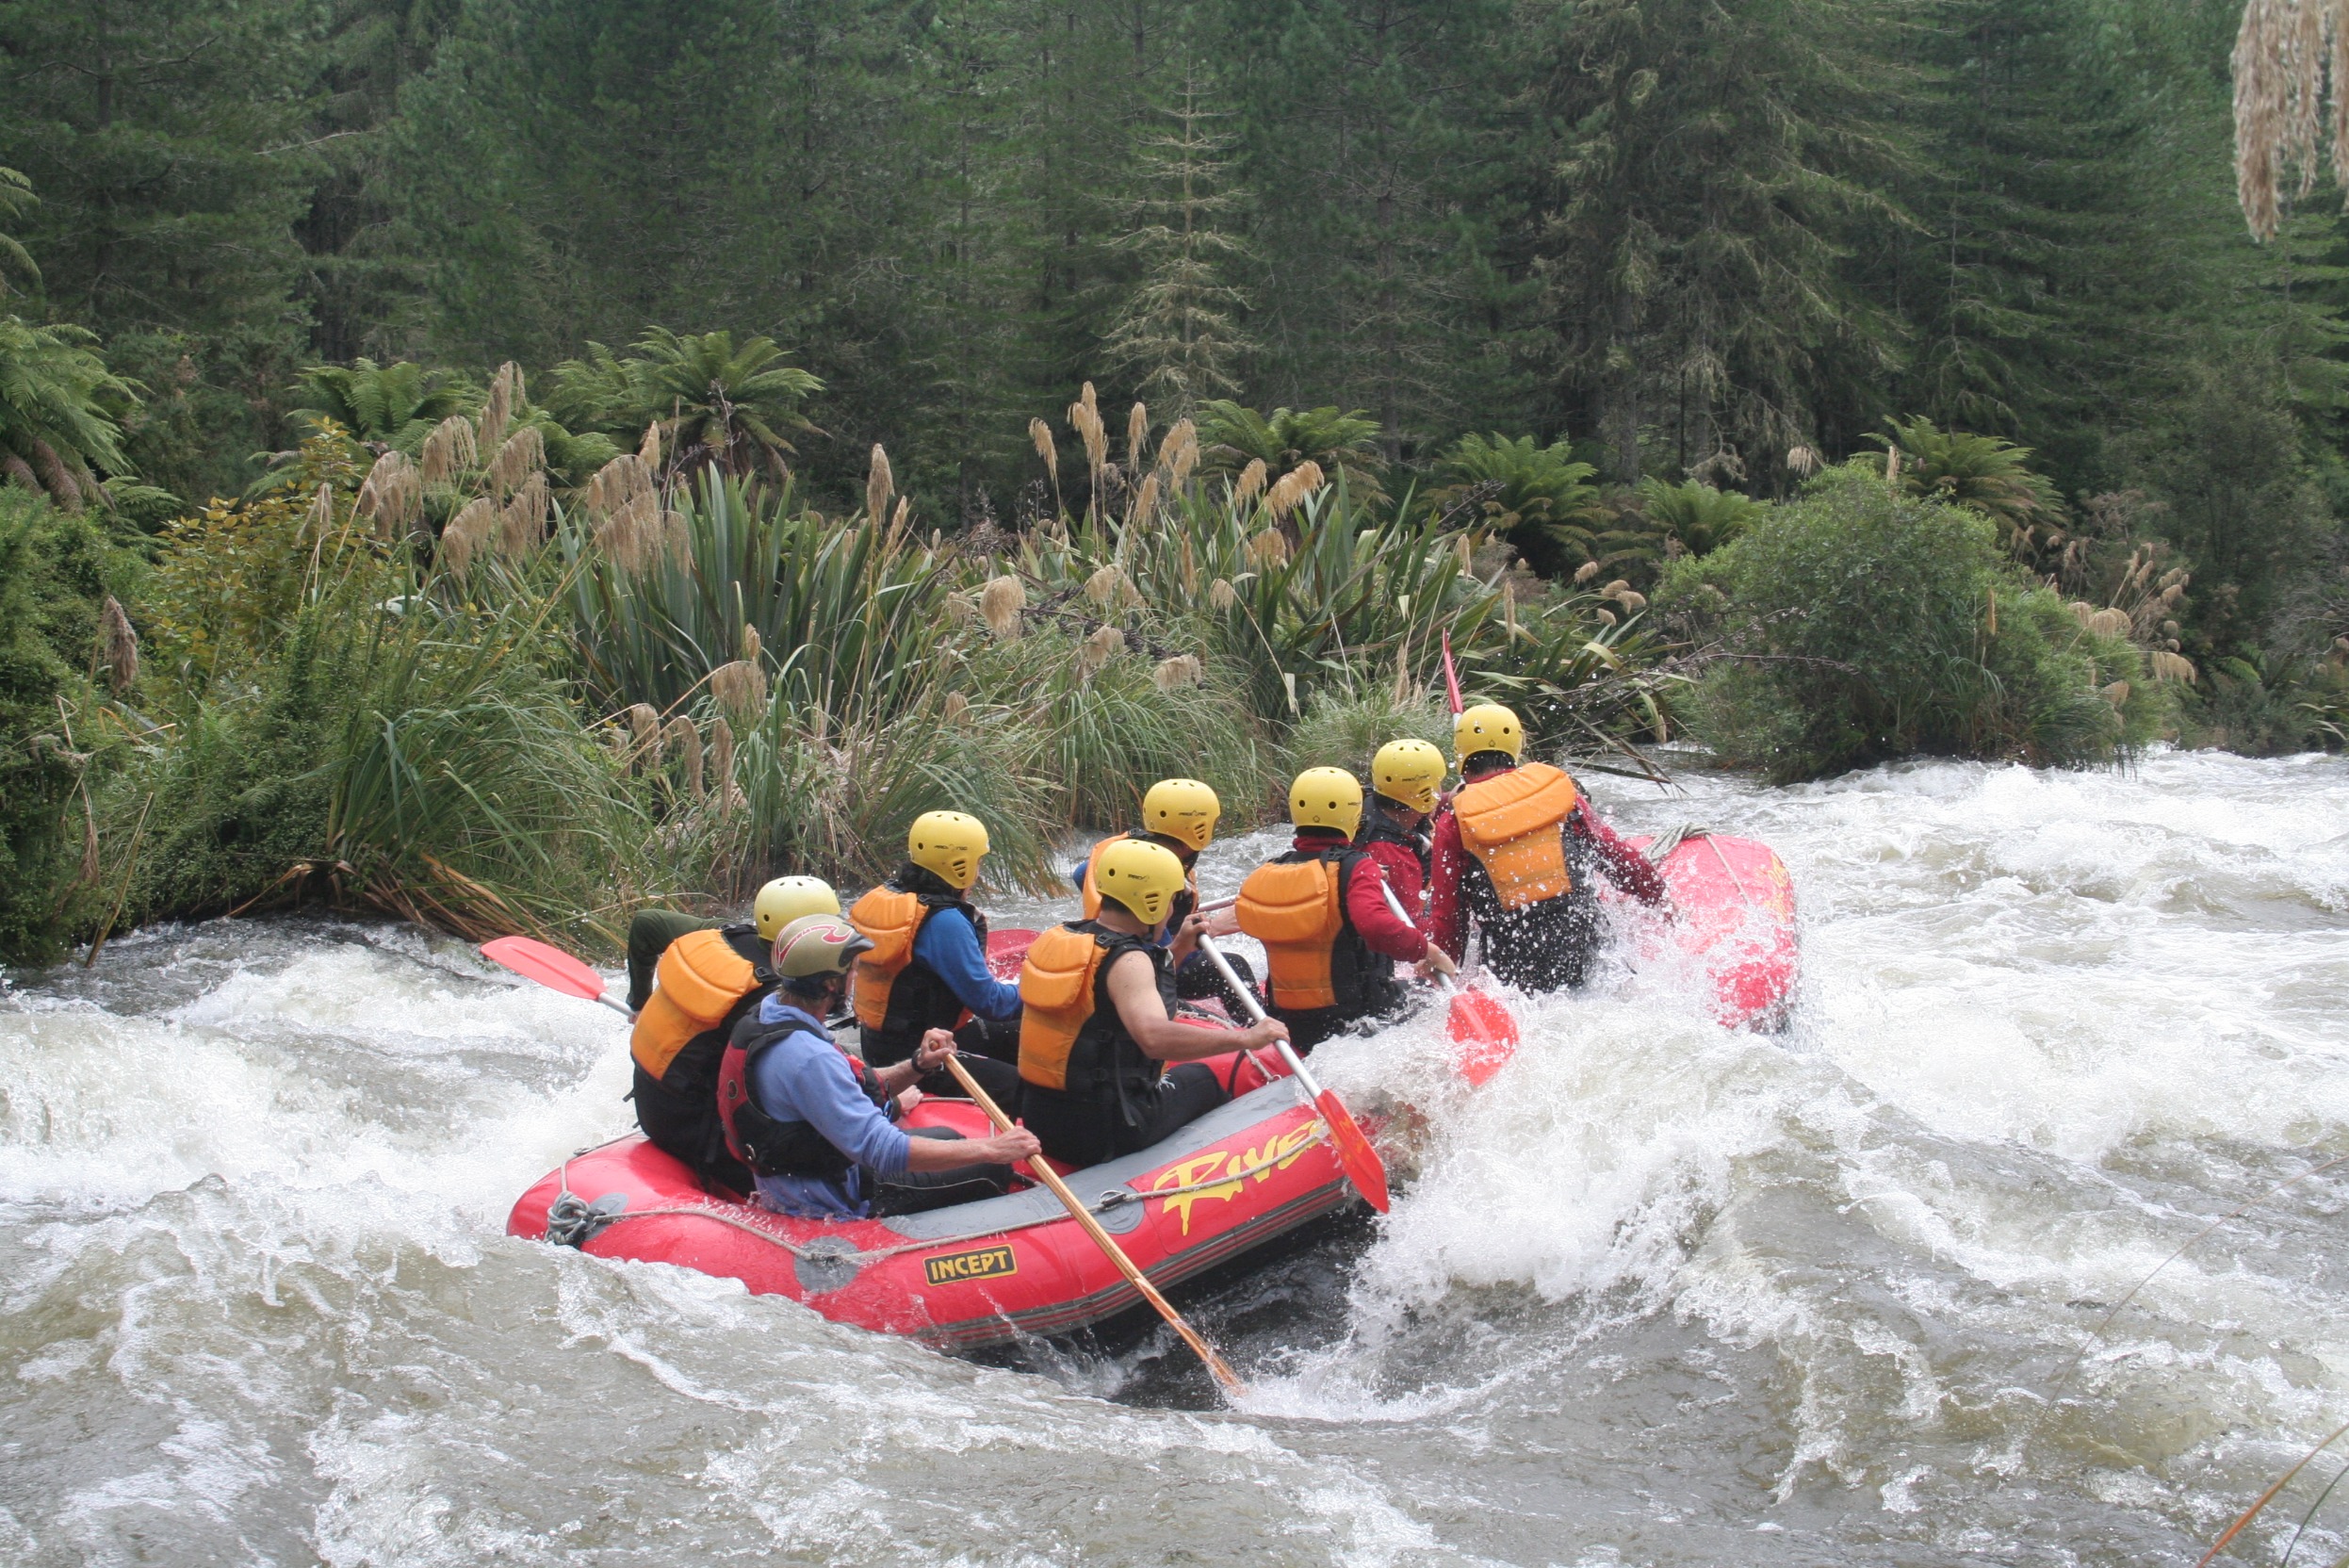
772, 385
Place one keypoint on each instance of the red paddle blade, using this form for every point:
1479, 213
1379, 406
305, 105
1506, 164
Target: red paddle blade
550, 965
1360, 1162
1485, 1033
1451, 677
1007, 951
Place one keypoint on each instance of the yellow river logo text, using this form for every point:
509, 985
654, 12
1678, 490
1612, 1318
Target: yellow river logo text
988, 1263
1281, 1154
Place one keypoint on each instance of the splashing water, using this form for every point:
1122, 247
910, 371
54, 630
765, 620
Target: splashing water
1660, 1293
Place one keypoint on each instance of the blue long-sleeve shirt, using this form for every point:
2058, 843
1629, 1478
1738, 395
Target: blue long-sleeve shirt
804, 1077
950, 945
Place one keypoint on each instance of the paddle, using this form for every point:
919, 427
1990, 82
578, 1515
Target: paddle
1043, 1172
1451, 676
1360, 1162
553, 969
1481, 1026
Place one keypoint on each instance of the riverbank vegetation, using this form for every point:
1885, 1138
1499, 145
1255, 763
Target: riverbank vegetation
1940, 406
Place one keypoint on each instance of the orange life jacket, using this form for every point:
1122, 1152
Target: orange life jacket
1069, 1041
702, 978
896, 998
1092, 893
1295, 905
1513, 823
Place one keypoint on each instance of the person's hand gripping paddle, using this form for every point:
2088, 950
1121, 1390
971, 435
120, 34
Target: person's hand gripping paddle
1360, 1162
1042, 1168
1481, 1026
553, 969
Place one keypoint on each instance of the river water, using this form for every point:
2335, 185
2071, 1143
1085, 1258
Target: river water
1659, 1294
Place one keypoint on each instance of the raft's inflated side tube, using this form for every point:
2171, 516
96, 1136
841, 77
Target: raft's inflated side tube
982, 1272
1735, 903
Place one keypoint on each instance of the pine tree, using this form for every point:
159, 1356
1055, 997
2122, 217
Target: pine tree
1180, 334
1375, 134
165, 140
1715, 162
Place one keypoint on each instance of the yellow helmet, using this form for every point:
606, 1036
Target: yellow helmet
1142, 877
1327, 797
1181, 808
785, 899
814, 945
1408, 771
948, 844
1487, 726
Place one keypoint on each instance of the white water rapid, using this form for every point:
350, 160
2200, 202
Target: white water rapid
1659, 1294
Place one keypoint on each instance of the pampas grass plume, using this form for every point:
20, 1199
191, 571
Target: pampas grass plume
449, 450
119, 645
684, 741
468, 533
1097, 650
522, 524
645, 731
880, 485
1251, 482
999, 604
1268, 548
722, 755
499, 408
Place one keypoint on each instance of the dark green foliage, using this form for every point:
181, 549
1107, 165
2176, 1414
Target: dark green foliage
714, 403
1536, 498
1874, 626
1698, 517
396, 405
60, 412
165, 140
1380, 139
1231, 437
2240, 505
56, 571
1712, 161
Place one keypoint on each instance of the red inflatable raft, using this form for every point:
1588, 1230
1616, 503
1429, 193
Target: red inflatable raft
1734, 903
978, 1273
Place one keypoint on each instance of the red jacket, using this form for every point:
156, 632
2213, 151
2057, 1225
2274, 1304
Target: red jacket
1366, 906
1447, 911
1404, 875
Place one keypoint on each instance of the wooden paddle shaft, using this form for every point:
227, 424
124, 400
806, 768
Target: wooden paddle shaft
1115, 1254
1255, 1010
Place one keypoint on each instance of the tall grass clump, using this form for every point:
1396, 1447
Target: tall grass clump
57, 572
324, 717
1310, 596
1346, 731
1862, 625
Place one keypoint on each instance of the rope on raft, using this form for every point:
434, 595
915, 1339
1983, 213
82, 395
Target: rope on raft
571, 1221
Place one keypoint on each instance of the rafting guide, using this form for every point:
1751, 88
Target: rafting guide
817, 1126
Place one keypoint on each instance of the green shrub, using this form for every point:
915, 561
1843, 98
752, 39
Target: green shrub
1865, 626
368, 738
1345, 730
56, 571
